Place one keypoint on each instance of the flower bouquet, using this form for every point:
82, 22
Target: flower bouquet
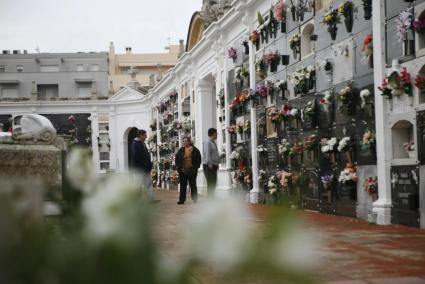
274, 116
303, 79
233, 54
404, 24
367, 50
348, 175
270, 89
328, 147
326, 101
285, 180
279, 14
364, 97
326, 181
344, 144
240, 127
272, 60
420, 83
284, 149
254, 37
332, 19
295, 44
370, 185
419, 26
273, 185
260, 67
385, 90
347, 10
410, 148
346, 97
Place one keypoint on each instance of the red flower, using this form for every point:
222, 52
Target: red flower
368, 39
72, 118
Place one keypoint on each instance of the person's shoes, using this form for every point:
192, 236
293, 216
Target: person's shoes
180, 203
154, 201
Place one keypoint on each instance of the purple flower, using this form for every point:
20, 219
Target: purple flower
419, 25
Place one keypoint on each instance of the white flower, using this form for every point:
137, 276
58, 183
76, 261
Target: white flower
272, 189
293, 112
234, 155
219, 233
103, 209
343, 143
297, 249
81, 172
297, 82
307, 75
310, 68
332, 141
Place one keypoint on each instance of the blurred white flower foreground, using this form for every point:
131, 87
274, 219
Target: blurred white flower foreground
221, 233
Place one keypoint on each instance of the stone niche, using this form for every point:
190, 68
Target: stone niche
402, 132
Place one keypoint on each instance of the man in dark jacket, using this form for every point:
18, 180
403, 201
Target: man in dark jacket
188, 161
141, 164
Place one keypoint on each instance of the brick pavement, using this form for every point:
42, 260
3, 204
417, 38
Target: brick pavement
354, 252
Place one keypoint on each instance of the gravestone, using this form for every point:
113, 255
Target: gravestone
405, 195
30, 153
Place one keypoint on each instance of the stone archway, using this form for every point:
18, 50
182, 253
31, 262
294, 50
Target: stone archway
129, 136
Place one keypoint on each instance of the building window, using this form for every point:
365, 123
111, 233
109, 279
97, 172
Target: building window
49, 68
9, 93
47, 91
2, 68
20, 68
84, 90
80, 67
94, 67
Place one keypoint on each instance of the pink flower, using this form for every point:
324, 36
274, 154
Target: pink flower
279, 11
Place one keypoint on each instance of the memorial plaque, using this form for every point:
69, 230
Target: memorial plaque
272, 152
421, 136
311, 191
405, 195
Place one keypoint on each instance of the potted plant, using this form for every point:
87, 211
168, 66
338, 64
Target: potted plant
367, 8
332, 19
279, 14
347, 10
410, 148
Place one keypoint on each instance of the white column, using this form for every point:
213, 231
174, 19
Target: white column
382, 206
255, 192
94, 134
204, 111
227, 115
180, 111
115, 142
158, 138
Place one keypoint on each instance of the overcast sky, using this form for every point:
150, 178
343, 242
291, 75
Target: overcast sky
89, 25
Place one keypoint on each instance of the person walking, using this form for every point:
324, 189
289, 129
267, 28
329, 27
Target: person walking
188, 161
210, 160
141, 164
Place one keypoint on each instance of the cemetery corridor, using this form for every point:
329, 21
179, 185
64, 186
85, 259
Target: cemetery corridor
352, 250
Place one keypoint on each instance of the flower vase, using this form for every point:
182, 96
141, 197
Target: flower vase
367, 10
293, 13
408, 47
262, 35
248, 134
283, 26
348, 156
245, 45
294, 52
332, 158
241, 134
333, 31
234, 59
349, 21
411, 154
370, 61
266, 35
257, 45
271, 99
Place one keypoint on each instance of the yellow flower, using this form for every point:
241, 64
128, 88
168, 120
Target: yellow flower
341, 8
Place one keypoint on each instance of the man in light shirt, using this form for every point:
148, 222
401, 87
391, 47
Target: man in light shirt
210, 160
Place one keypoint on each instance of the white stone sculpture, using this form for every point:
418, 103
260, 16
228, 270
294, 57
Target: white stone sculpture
33, 127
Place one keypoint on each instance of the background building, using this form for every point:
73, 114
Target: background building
148, 67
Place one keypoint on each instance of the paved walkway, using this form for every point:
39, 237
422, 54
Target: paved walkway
354, 252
